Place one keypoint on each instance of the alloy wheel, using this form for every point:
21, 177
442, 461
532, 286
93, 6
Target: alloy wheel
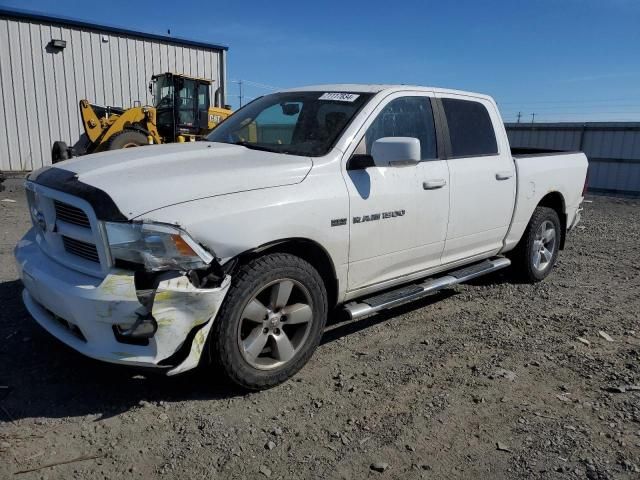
275, 324
544, 246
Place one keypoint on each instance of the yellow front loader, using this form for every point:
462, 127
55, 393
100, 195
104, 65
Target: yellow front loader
181, 113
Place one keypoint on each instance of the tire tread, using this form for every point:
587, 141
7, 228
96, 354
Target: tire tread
119, 135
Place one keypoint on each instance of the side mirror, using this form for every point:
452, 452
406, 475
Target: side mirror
396, 151
290, 109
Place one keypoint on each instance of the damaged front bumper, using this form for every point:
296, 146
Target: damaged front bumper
87, 313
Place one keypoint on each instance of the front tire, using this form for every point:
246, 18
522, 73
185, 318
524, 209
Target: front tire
127, 139
537, 252
271, 321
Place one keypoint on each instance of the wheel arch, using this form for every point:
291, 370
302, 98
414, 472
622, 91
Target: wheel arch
307, 249
555, 201
131, 119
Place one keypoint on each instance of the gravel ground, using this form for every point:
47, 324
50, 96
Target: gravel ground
494, 379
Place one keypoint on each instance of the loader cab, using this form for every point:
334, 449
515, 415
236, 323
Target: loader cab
182, 105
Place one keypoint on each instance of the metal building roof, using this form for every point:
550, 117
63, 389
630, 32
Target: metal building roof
71, 22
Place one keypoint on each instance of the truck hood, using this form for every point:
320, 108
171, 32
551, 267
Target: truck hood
143, 179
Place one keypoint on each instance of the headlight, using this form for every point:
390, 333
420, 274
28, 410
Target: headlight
157, 246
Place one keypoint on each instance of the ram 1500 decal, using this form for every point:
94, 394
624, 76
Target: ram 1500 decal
378, 216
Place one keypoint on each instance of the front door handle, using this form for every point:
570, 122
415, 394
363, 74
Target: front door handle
434, 184
504, 175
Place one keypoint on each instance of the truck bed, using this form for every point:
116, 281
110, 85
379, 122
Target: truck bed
520, 152
542, 171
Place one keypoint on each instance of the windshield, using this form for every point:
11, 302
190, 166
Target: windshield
297, 123
163, 93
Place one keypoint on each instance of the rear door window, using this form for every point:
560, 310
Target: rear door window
470, 128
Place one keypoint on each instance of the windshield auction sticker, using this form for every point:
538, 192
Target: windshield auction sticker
340, 97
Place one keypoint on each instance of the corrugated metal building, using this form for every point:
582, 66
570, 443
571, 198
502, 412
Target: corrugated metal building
40, 85
613, 149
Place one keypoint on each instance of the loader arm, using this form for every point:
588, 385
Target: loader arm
90, 121
137, 118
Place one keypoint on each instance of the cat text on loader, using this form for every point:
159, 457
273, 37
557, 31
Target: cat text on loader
181, 113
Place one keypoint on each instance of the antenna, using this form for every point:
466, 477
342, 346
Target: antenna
240, 96
519, 115
248, 83
533, 118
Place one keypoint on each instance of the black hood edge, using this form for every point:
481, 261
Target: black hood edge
66, 181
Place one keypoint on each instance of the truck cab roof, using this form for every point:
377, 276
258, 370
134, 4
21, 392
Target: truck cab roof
377, 88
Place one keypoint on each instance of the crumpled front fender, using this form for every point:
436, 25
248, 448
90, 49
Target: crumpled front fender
179, 307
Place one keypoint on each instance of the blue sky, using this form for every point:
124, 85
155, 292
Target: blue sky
568, 60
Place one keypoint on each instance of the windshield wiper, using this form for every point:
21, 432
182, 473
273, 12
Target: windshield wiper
253, 146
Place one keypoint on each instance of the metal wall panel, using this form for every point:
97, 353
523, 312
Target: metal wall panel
613, 149
40, 88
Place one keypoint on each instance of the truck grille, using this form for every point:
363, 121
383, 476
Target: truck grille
70, 214
81, 249
67, 230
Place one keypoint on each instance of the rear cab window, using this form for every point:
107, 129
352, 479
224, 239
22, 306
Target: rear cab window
470, 128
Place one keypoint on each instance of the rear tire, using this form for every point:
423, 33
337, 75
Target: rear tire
59, 152
537, 251
127, 139
271, 321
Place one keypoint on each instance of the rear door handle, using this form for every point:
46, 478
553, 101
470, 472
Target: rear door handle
434, 184
504, 175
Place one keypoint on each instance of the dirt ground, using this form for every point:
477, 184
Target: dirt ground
489, 380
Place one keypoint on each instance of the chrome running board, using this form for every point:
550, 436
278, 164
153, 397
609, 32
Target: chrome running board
392, 298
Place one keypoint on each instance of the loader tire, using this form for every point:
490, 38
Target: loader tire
127, 139
59, 152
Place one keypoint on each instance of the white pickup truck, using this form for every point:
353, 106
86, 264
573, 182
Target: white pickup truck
234, 250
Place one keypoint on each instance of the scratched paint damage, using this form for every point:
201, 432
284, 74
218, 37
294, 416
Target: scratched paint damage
118, 298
